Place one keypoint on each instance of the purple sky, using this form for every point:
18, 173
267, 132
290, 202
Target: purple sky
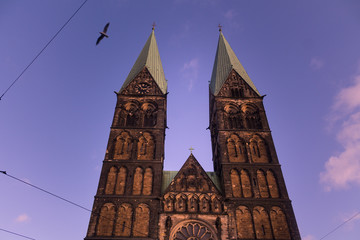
54, 122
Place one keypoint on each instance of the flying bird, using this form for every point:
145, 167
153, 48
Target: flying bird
103, 33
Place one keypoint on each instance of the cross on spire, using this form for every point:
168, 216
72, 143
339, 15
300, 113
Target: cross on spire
220, 27
153, 26
191, 149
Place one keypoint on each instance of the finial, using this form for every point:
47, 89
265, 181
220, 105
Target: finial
220, 28
153, 26
191, 149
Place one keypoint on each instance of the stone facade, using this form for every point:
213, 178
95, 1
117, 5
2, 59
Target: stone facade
244, 198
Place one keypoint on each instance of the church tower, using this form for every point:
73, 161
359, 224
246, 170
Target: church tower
244, 156
127, 201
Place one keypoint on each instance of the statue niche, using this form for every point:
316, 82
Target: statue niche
122, 146
149, 114
146, 147
236, 149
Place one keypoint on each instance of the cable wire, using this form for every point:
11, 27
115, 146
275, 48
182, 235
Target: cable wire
68, 201
17, 234
43, 49
342, 224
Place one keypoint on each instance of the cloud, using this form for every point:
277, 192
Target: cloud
22, 218
316, 63
308, 237
342, 169
190, 71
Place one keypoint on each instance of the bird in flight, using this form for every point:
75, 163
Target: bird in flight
103, 33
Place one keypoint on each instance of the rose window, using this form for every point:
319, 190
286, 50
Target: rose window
193, 231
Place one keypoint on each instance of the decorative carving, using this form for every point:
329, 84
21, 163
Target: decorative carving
273, 186
235, 183
232, 117
168, 202
252, 116
263, 188
138, 181
148, 182
121, 181
110, 181
142, 84
246, 184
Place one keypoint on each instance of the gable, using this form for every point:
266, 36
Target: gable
142, 84
236, 87
191, 178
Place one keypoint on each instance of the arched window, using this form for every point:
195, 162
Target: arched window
262, 223
263, 188
236, 149
132, 114
138, 181
204, 203
142, 219
180, 203
244, 224
252, 116
279, 223
148, 182
216, 204
124, 220
110, 181
193, 203
273, 186
122, 146
235, 183
150, 114
106, 220
246, 184
237, 92
146, 147
168, 203
232, 117
121, 181
259, 150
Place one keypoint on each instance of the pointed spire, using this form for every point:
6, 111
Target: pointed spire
225, 61
149, 58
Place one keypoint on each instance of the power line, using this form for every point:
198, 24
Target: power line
66, 200
17, 234
342, 224
43, 49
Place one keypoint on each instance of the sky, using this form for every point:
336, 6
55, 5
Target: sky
55, 121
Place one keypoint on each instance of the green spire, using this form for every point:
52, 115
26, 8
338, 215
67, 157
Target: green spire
149, 58
225, 61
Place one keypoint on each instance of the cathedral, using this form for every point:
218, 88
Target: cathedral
244, 198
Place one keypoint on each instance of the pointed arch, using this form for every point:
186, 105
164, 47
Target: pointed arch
146, 147
244, 224
106, 220
251, 116
121, 181
122, 146
262, 223
204, 203
180, 202
168, 202
235, 183
138, 181
236, 149
124, 220
216, 206
259, 150
279, 223
110, 181
148, 182
273, 186
246, 184
263, 187
149, 114
142, 219
193, 203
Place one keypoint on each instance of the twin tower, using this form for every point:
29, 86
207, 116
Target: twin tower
244, 198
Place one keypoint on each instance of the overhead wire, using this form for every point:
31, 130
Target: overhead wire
66, 200
17, 234
43, 49
340, 225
